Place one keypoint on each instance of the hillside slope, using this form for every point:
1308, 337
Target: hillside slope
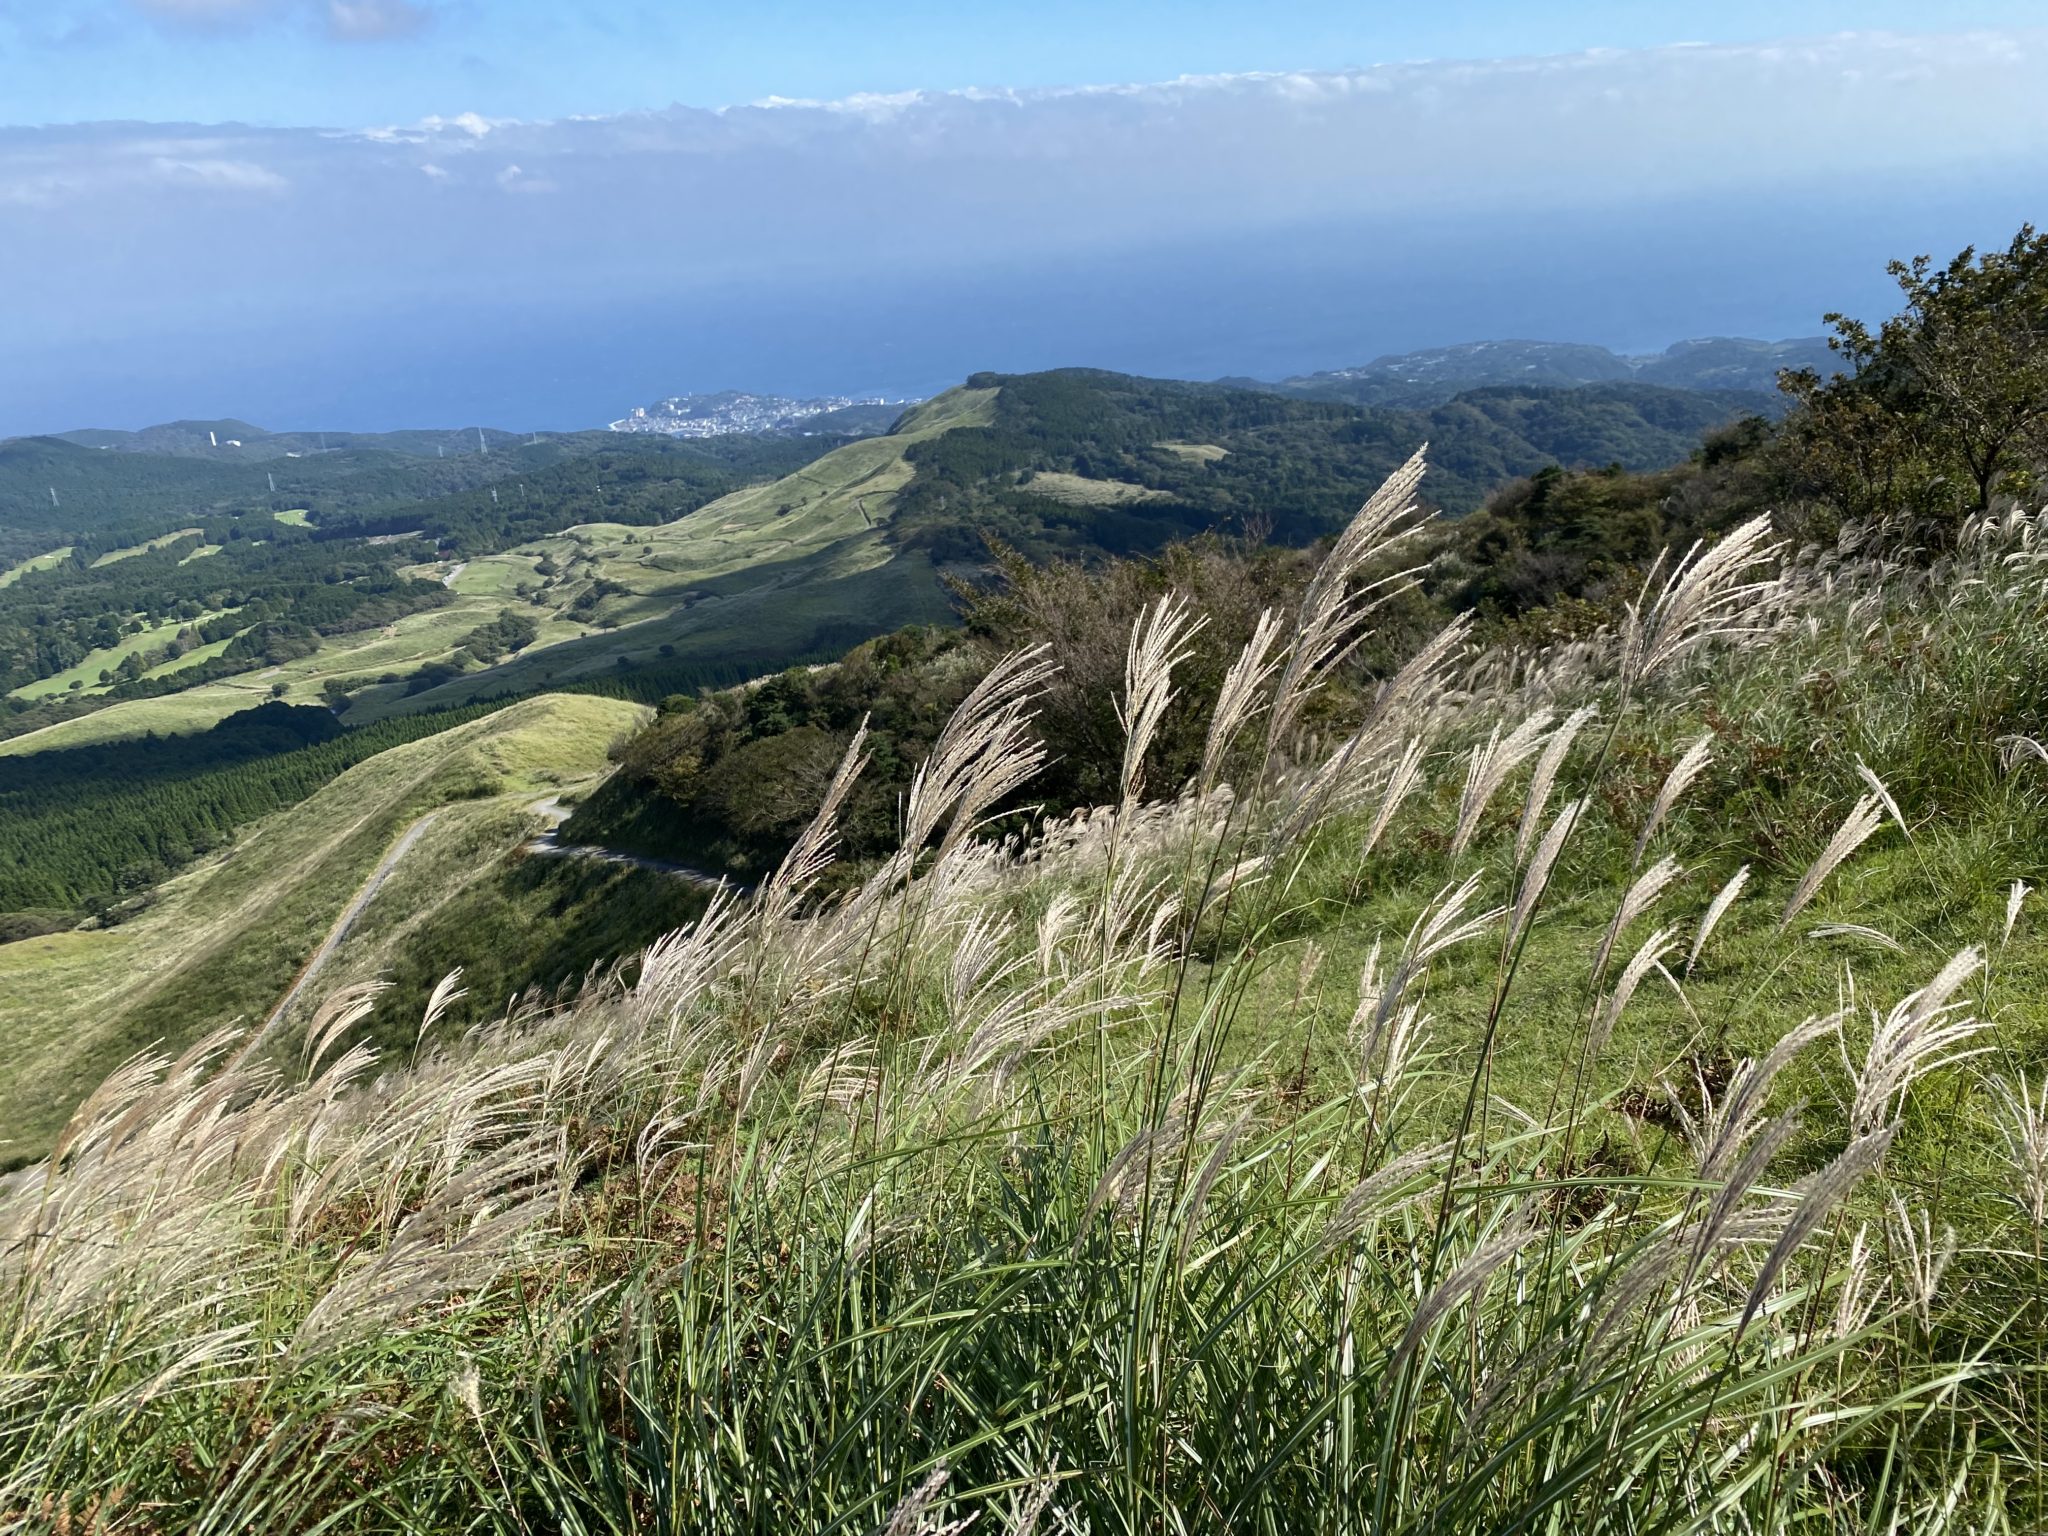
226, 939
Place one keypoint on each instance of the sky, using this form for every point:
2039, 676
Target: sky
374, 213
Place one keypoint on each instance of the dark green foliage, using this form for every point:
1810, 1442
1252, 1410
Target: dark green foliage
724, 781
534, 924
82, 826
510, 631
1947, 405
1583, 538
639, 480
1294, 469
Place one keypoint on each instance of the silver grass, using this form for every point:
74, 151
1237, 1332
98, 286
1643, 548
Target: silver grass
2023, 1126
812, 853
1541, 863
1716, 910
1690, 765
1706, 596
1205, 1183
1468, 1278
1648, 957
1921, 1034
1372, 1194
1488, 769
1544, 779
340, 1012
1817, 1197
1401, 781
1725, 1125
1927, 1259
1876, 787
1158, 644
1869, 935
2016, 749
1240, 699
1441, 924
908, 1518
1330, 623
447, 992
1641, 894
1858, 1298
1864, 818
2013, 901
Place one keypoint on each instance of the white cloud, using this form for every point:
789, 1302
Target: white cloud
206, 14
348, 21
364, 21
217, 175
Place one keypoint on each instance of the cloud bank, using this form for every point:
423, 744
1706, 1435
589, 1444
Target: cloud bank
139, 231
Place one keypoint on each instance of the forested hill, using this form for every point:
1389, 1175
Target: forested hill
1430, 377
1079, 459
62, 491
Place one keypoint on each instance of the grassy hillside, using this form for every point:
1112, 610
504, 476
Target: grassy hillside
798, 569
637, 567
225, 939
1595, 1089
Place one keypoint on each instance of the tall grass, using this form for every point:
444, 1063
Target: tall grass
1062, 1185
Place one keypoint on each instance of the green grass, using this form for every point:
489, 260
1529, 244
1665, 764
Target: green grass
162, 541
1080, 491
201, 553
87, 672
224, 939
296, 517
55, 557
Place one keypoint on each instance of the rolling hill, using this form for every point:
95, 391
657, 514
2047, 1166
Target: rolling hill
225, 940
1432, 376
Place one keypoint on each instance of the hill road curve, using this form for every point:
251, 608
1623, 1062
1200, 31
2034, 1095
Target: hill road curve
549, 844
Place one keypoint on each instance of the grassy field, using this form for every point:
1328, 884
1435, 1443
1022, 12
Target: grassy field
1080, 491
225, 938
160, 542
201, 553
87, 672
36, 563
296, 517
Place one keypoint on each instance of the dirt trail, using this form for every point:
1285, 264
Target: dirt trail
347, 920
550, 845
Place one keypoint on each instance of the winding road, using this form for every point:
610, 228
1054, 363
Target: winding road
549, 844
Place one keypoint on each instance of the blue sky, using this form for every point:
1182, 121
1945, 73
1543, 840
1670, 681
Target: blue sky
364, 213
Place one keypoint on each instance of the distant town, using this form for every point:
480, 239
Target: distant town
733, 411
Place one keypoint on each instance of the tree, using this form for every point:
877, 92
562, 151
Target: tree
1947, 403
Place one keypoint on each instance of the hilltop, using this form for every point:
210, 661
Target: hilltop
1431, 376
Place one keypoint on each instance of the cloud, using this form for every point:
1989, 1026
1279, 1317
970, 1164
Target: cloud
678, 210
217, 175
207, 15
348, 21
368, 21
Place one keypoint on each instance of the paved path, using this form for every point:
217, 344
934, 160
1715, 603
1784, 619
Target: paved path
347, 920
